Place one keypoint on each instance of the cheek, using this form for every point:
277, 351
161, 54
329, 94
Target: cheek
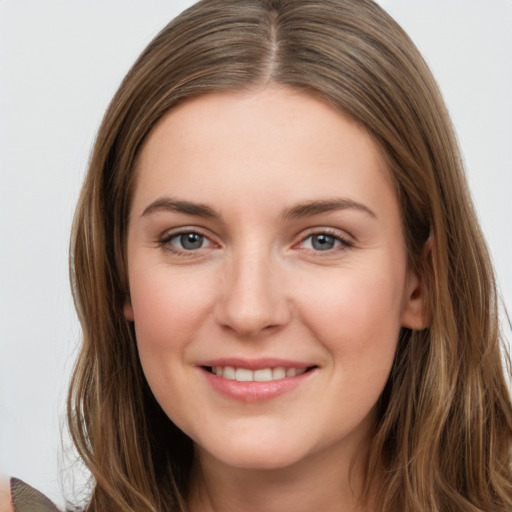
167, 309
167, 306
357, 308
358, 323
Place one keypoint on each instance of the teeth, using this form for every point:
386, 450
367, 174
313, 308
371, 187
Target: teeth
244, 375
278, 373
229, 373
262, 375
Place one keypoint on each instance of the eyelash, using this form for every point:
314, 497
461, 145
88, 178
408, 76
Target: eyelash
344, 243
167, 238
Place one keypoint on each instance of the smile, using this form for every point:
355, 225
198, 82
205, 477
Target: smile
260, 375
255, 380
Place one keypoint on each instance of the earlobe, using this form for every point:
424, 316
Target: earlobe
414, 312
128, 309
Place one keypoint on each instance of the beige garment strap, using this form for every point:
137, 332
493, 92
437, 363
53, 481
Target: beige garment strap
28, 499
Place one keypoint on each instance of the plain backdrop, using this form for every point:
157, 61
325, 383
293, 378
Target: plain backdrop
60, 63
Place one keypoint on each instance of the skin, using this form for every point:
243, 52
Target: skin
261, 284
5, 497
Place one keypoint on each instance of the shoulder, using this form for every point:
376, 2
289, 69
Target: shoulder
25, 498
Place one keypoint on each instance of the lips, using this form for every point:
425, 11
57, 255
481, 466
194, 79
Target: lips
255, 380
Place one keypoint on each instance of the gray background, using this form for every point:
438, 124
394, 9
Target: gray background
60, 63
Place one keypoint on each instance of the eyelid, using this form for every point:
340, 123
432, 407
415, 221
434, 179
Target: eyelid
346, 241
164, 239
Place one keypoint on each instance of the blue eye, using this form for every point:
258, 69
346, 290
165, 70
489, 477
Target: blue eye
323, 242
189, 241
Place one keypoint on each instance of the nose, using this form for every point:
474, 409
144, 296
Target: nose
253, 299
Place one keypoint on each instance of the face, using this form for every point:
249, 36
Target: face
268, 276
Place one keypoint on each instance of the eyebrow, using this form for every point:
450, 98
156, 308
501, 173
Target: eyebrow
306, 209
187, 207
311, 208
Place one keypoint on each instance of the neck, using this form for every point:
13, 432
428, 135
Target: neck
324, 482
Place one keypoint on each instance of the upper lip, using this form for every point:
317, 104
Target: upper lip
255, 364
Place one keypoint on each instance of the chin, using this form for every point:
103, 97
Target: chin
263, 454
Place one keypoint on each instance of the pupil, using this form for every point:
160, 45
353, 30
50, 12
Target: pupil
191, 241
323, 242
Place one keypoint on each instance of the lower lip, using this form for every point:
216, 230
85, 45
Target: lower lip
254, 391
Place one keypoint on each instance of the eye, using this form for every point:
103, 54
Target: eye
324, 242
185, 241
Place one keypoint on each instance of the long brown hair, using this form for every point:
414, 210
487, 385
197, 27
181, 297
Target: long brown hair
443, 434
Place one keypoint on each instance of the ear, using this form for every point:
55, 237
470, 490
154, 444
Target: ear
414, 310
128, 309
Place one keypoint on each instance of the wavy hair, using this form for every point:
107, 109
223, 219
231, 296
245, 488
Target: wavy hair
444, 421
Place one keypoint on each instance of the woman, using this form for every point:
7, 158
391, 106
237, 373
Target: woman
285, 296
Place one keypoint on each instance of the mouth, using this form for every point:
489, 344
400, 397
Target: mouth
269, 374
256, 380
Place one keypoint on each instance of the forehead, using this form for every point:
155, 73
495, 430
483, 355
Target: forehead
276, 140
